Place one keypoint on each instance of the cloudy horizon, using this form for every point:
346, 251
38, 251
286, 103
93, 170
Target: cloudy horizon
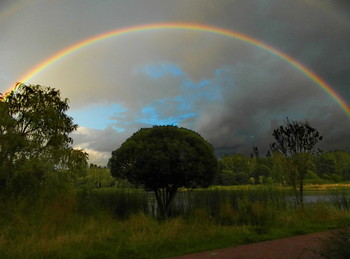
231, 92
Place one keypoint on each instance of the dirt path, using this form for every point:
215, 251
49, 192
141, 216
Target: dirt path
287, 248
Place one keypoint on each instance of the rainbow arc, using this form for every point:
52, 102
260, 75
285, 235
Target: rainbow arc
192, 27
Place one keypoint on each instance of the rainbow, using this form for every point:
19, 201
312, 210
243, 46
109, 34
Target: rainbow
191, 27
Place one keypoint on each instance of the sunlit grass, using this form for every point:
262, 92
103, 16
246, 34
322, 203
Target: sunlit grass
327, 187
307, 187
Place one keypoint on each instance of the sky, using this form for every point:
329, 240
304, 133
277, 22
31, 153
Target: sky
230, 91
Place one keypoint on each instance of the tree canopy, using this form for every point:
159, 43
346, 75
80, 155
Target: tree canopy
295, 137
34, 128
163, 159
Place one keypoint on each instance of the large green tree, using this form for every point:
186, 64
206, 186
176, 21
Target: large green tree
295, 143
34, 131
163, 159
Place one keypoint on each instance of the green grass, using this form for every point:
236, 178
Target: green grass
89, 225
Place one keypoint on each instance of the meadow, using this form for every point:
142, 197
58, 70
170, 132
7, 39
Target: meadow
123, 223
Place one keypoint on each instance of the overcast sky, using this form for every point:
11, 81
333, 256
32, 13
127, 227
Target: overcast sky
231, 92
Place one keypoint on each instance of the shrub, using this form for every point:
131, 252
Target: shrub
120, 203
337, 245
227, 216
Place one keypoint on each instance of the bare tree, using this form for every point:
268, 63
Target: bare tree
295, 142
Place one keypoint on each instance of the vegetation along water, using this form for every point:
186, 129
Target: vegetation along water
175, 198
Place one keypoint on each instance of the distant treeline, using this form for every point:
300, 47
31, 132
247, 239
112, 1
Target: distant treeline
237, 169
330, 167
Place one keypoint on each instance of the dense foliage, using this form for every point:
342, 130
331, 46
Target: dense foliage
96, 177
237, 169
163, 159
34, 137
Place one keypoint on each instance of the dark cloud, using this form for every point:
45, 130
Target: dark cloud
231, 92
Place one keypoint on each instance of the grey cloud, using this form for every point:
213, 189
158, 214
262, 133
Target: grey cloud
100, 140
256, 86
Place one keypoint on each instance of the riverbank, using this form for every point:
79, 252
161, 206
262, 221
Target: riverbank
114, 223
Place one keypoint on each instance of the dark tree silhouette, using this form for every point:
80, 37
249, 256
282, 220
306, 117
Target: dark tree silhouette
163, 159
255, 153
34, 131
294, 144
295, 137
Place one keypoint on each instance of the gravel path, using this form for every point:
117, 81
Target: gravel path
297, 247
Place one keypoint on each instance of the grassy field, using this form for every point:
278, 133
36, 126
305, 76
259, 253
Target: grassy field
111, 223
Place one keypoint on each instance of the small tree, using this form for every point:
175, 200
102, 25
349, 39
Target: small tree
163, 159
97, 177
294, 144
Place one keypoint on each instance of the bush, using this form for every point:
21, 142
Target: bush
120, 203
227, 216
316, 181
341, 200
337, 246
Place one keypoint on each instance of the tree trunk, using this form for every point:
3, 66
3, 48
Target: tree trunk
301, 192
165, 197
171, 192
157, 192
301, 187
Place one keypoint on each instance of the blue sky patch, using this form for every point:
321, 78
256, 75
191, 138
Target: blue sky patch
189, 83
151, 116
159, 70
97, 116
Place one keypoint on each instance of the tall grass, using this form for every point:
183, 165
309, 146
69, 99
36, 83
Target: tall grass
341, 199
240, 206
119, 202
113, 223
251, 205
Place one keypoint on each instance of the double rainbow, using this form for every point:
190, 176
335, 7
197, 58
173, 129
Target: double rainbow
189, 27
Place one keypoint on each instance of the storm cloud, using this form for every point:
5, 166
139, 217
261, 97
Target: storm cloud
233, 93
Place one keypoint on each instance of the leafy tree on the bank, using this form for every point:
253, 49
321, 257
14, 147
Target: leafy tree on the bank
234, 170
34, 134
97, 177
295, 143
325, 167
261, 167
341, 161
163, 159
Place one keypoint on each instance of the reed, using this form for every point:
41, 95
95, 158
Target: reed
114, 223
